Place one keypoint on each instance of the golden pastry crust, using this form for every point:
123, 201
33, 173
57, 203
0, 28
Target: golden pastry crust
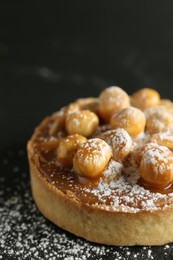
113, 208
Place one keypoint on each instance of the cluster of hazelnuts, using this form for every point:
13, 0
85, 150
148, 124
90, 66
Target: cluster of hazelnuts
127, 117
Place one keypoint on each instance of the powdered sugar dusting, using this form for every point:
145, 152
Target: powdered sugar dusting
114, 95
123, 195
119, 140
166, 136
113, 170
160, 158
160, 121
96, 150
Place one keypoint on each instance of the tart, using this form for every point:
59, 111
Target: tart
102, 168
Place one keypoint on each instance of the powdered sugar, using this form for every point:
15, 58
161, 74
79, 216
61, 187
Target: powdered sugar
165, 136
124, 196
113, 170
93, 151
160, 158
159, 121
118, 139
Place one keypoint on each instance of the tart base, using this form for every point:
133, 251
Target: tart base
97, 224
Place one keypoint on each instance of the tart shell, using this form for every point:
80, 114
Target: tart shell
96, 224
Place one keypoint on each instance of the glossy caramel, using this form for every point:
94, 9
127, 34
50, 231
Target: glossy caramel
126, 196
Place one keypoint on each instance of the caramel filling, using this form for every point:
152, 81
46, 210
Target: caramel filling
104, 191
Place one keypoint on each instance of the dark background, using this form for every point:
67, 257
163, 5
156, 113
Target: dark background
53, 52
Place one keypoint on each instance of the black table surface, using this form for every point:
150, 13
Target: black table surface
51, 54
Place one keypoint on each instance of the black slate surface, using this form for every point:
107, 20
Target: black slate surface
51, 54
